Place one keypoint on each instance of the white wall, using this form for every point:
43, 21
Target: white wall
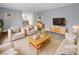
29, 16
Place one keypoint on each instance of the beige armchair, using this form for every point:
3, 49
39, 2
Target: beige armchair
15, 33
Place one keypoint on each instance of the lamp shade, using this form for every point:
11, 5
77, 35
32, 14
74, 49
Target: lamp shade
76, 28
40, 25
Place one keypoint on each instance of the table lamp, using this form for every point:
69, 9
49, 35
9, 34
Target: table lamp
76, 28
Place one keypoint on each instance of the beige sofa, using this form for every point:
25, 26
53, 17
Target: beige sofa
64, 50
15, 33
68, 51
8, 49
67, 47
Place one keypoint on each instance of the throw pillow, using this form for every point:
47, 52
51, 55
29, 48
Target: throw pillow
15, 29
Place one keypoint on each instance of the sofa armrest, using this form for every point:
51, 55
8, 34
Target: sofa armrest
9, 34
5, 46
66, 48
11, 51
23, 30
77, 46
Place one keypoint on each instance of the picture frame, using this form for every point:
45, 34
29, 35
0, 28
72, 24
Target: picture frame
9, 16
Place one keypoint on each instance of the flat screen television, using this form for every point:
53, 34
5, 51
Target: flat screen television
59, 21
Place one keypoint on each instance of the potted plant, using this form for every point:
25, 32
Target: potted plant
1, 24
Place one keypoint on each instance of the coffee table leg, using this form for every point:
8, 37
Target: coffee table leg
49, 40
37, 50
29, 43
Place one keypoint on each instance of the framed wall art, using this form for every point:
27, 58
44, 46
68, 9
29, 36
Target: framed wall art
9, 16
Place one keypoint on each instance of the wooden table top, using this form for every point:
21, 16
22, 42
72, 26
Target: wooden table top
38, 40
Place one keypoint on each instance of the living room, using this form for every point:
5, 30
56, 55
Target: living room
50, 29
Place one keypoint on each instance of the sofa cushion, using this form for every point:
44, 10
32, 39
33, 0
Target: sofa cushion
30, 27
17, 36
71, 37
15, 29
31, 32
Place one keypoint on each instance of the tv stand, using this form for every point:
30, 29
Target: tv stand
58, 29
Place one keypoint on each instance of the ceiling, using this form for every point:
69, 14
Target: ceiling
33, 7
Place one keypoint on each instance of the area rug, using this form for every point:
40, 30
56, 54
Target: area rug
22, 46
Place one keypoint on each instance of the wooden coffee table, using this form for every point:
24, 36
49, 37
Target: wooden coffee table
38, 43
